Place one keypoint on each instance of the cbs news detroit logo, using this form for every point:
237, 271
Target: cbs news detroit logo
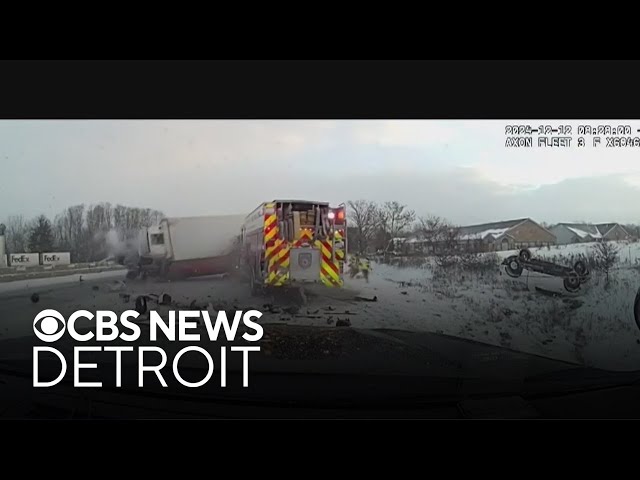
50, 326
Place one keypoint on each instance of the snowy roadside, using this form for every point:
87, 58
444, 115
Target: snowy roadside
596, 328
84, 275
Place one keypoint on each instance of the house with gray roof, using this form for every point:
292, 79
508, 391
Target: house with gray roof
567, 233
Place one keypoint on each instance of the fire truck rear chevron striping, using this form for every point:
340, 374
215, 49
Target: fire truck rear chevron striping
293, 242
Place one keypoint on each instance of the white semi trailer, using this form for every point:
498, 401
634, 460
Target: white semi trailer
190, 246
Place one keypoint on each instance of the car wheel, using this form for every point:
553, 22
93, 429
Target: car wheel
525, 255
580, 268
513, 267
572, 282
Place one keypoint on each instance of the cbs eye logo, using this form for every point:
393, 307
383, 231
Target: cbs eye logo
49, 326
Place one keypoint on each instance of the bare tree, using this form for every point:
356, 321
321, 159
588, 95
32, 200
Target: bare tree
438, 233
395, 219
364, 217
83, 231
17, 234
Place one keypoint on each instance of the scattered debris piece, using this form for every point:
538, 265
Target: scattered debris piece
330, 322
141, 304
125, 297
165, 299
367, 299
293, 309
404, 292
343, 322
35, 298
95, 288
117, 286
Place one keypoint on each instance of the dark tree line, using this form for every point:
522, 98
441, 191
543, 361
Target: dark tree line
90, 233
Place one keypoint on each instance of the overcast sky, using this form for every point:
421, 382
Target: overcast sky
457, 169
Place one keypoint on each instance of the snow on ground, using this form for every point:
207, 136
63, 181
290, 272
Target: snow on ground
596, 328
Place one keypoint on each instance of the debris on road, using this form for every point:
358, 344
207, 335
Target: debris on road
141, 304
272, 309
117, 285
343, 322
95, 288
165, 299
35, 298
125, 297
362, 298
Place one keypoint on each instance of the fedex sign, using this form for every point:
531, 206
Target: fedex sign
24, 259
58, 258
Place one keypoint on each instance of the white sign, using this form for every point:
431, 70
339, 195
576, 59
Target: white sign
24, 259
57, 258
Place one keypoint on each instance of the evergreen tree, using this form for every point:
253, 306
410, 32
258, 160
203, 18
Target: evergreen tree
41, 237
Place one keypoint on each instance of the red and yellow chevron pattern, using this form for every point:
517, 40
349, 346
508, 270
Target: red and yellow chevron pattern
277, 253
277, 258
329, 268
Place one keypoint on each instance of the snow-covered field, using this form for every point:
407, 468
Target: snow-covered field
596, 328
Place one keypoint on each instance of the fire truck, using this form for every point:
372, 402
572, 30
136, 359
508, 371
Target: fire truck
293, 243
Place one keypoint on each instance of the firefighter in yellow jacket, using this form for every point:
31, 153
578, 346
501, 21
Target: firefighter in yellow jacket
365, 268
358, 265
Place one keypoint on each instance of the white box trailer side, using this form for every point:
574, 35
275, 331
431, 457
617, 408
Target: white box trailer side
201, 237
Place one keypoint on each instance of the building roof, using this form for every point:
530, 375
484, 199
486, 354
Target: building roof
595, 230
605, 228
494, 230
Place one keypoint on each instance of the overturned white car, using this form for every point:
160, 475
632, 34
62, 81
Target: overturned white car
547, 276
